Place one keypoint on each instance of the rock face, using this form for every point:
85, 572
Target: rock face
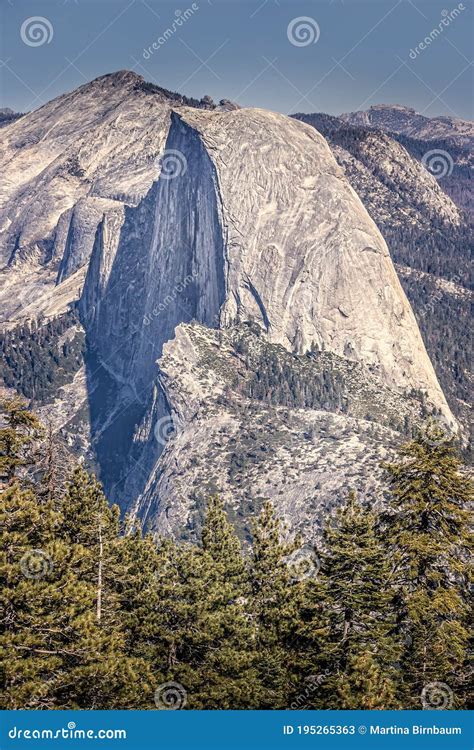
395, 118
428, 236
445, 144
249, 420
173, 214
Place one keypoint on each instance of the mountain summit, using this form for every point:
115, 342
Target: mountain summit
199, 245
407, 121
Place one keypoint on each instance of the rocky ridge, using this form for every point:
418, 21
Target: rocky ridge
150, 215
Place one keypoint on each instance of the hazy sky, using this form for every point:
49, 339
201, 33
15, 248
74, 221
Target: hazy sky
344, 55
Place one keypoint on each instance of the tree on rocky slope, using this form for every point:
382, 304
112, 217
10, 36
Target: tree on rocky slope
274, 605
362, 648
426, 528
20, 428
94, 615
31, 597
203, 639
61, 637
101, 673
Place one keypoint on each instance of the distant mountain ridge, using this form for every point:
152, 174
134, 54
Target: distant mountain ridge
424, 137
430, 238
396, 118
7, 115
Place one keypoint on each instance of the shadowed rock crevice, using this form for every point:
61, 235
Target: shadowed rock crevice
166, 268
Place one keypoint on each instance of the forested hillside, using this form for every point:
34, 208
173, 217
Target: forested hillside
429, 239
99, 614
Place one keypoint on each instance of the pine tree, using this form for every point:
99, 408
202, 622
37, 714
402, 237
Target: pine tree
275, 608
21, 428
31, 595
33, 576
221, 543
53, 465
62, 642
427, 529
364, 685
138, 602
363, 651
203, 637
228, 669
101, 675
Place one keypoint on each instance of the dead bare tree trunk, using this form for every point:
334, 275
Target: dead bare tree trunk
99, 574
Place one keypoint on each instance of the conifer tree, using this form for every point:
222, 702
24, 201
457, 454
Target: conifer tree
103, 675
363, 686
31, 575
53, 466
228, 669
21, 428
426, 528
31, 598
204, 639
95, 615
363, 651
221, 543
275, 607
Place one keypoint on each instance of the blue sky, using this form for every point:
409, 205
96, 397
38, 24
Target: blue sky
348, 54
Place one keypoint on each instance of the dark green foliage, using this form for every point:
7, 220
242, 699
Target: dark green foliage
95, 615
62, 643
444, 322
361, 614
17, 435
426, 530
274, 608
278, 382
37, 359
320, 380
